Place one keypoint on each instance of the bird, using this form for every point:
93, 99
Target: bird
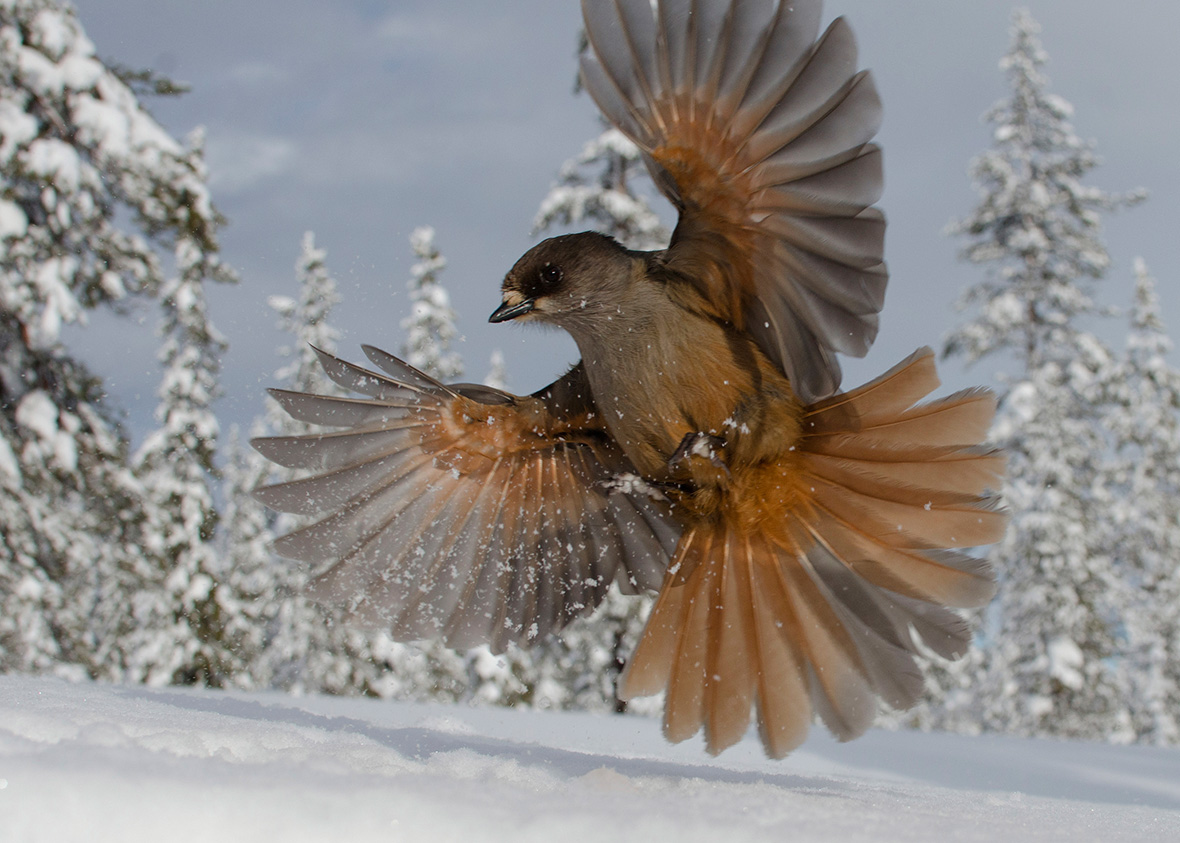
806, 545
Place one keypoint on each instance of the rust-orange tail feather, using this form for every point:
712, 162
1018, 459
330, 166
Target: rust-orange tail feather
820, 614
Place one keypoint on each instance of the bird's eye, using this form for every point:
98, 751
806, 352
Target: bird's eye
551, 274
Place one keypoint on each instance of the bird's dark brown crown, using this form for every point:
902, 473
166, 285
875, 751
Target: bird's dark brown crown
555, 265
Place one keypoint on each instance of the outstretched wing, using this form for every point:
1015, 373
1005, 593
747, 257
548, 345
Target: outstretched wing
759, 134
463, 513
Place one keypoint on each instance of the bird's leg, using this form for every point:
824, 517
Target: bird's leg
699, 444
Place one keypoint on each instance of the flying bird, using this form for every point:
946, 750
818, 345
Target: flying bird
802, 540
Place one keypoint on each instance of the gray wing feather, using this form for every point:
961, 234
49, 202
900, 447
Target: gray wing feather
785, 117
418, 536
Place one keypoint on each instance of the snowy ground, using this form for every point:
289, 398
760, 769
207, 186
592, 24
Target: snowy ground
103, 763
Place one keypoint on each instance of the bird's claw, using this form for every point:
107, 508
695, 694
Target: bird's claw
699, 444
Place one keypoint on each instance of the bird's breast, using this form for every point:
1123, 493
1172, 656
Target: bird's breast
657, 385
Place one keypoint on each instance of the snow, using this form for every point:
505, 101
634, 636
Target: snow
1065, 662
13, 222
10, 473
55, 161
114, 763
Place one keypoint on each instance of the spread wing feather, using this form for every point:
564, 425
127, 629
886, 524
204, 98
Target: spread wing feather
456, 511
760, 134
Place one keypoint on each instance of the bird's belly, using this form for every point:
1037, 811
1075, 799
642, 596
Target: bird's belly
654, 401
649, 424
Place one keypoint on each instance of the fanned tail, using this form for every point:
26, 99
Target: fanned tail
820, 611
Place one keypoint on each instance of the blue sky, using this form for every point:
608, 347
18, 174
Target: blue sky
360, 120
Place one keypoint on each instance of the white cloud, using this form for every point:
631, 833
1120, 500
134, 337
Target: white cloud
238, 161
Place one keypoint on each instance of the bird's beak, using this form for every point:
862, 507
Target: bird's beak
511, 309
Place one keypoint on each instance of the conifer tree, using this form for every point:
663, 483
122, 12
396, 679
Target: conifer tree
281, 624
1055, 626
430, 327
306, 321
1037, 227
599, 187
309, 648
1049, 667
92, 189
250, 573
183, 636
1145, 510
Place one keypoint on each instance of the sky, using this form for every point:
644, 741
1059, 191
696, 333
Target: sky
360, 120
110, 764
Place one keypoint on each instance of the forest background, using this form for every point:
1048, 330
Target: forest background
132, 552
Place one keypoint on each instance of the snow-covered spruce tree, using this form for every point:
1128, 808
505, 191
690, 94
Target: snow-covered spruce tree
185, 612
91, 187
1054, 629
248, 572
308, 649
287, 638
1050, 666
306, 321
1144, 417
430, 327
600, 187
1037, 227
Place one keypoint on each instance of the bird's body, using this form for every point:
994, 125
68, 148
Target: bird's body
801, 539
655, 386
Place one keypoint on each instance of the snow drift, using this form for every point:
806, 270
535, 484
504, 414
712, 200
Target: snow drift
112, 763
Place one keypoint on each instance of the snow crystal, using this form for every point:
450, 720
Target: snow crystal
732, 424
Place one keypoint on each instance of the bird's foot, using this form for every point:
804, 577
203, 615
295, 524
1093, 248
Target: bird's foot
699, 444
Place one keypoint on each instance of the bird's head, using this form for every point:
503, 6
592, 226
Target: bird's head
566, 280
